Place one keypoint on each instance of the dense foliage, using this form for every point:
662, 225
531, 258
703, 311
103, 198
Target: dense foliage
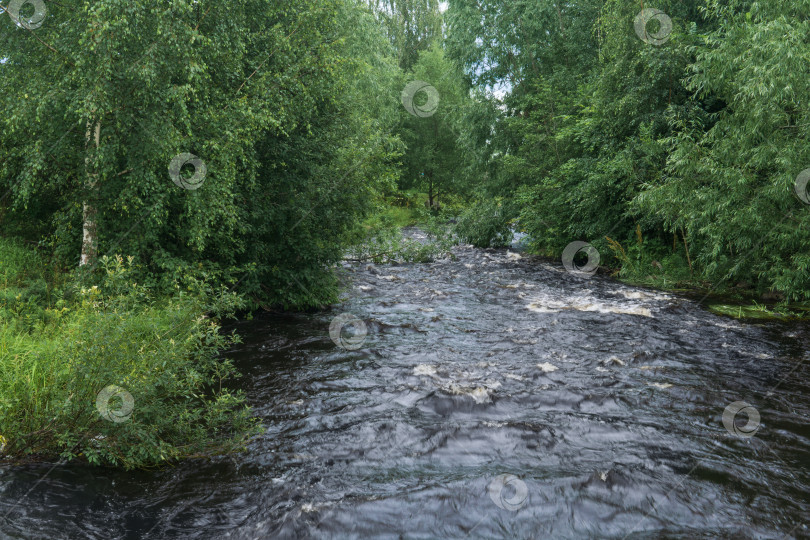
412, 26
674, 155
433, 162
59, 353
290, 108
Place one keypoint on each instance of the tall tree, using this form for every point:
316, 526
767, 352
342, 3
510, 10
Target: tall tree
260, 92
433, 161
734, 162
412, 26
539, 54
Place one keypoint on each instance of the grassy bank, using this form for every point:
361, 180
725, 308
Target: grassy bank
112, 373
670, 268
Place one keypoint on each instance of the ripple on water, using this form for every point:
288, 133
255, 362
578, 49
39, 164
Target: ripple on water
494, 369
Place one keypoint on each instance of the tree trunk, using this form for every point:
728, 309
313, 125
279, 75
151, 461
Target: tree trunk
435, 153
686, 248
89, 233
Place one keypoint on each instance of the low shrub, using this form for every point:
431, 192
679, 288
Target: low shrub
486, 224
117, 377
384, 241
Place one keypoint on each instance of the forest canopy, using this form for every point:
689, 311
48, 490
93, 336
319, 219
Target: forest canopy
290, 110
671, 137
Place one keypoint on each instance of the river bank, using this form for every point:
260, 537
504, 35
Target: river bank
738, 300
114, 373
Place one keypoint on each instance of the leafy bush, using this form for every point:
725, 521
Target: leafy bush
163, 352
384, 242
650, 261
486, 224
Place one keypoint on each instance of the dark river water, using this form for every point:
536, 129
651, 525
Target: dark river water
494, 396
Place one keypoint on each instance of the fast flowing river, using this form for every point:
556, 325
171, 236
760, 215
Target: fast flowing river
494, 396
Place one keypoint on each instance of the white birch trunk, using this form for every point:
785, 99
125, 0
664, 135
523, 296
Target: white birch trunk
89, 233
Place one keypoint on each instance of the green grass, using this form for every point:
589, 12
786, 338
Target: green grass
401, 216
747, 311
63, 343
